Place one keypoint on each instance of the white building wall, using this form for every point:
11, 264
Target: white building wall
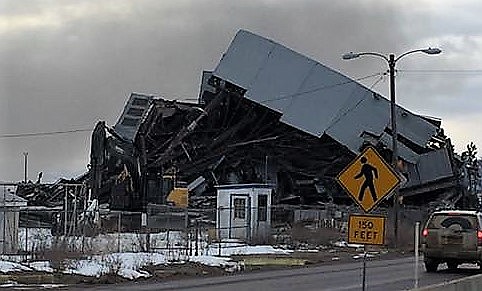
9, 221
249, 227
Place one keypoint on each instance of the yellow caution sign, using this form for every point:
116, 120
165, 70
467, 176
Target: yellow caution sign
368, 179
366, 229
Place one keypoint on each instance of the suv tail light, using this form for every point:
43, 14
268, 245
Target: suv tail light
425, 233
479, 237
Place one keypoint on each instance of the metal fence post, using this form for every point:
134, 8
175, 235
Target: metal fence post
186, 227
65, 213
119, 231
219, 230
197, 238
417, 242
26, 233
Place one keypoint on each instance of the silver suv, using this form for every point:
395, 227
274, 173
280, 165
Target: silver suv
453, 237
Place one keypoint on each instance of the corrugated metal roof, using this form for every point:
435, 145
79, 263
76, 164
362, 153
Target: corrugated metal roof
313, 97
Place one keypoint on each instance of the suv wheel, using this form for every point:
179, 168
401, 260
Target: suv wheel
431, 265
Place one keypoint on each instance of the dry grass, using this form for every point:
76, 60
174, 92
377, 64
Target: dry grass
304, 233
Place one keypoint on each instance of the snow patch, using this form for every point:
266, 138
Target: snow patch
344, 244
6, 267
41, 266
230, 249
126, 265
360, 256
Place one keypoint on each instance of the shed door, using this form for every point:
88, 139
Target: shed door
240, 217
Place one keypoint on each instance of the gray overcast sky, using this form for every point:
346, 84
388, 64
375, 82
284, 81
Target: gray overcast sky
64, 65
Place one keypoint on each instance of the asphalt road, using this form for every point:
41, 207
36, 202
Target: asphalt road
396, 274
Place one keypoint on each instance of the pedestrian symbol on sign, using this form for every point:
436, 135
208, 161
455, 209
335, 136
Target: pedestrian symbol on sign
369, 173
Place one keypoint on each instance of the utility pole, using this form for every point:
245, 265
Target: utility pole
25, 166
392, 60
393, 119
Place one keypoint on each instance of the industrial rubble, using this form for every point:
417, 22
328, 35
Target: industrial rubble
265, 115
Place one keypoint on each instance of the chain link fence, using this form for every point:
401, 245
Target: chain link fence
76, 226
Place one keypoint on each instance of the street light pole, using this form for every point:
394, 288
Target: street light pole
392, 60
393, 114
25, 166
393, 119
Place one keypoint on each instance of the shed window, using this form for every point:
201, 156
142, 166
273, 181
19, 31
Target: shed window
262, 207
240, 208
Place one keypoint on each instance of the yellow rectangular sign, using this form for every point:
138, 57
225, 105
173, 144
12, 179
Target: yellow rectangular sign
366, 229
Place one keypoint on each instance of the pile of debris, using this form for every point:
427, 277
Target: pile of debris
266, 114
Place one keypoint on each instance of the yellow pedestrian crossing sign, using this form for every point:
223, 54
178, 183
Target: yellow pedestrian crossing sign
368, 179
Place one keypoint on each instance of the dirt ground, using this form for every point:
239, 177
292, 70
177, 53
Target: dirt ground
248, 263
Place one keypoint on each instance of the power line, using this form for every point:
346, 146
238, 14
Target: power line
264, 101
335, 120
321, 88
30, 134
465, 72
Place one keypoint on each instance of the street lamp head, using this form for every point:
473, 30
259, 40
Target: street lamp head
350, 55
432, 51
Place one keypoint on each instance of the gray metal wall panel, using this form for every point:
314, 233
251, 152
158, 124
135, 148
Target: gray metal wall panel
413, 127
282, 75
272, 74
240, 65
369, 114
434, 165
322, 98
407, 154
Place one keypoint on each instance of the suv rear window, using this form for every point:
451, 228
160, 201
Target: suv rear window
466, 222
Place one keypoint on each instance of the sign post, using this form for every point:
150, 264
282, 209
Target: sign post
366, 230
364, 268
368, 180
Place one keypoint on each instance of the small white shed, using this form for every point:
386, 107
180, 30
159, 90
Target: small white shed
244, 212
9, 219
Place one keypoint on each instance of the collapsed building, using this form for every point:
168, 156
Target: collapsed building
265, 114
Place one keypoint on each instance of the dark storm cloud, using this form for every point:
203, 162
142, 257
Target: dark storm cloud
67, 64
